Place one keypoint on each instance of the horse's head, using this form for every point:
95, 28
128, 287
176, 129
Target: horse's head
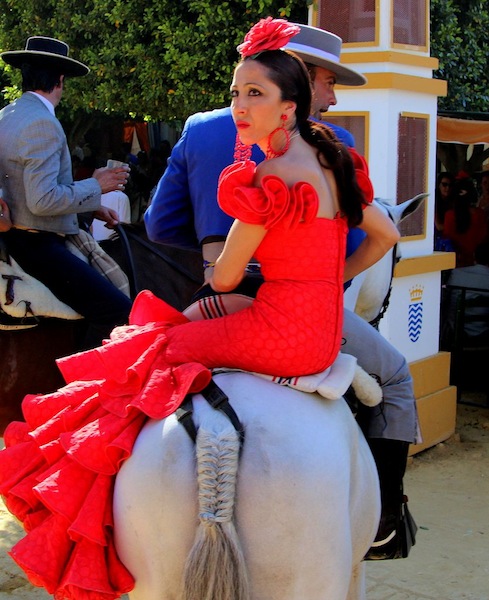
369, 293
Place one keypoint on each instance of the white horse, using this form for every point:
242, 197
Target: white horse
290, 518
370, 290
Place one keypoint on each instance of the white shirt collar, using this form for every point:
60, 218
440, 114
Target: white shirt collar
45, 101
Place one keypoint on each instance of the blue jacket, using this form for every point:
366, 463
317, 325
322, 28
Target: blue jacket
342, 134
184, 210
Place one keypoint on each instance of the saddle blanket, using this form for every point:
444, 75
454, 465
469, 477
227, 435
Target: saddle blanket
333, 382
23, 299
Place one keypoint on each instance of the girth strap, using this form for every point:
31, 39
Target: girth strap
219, 401
184, 416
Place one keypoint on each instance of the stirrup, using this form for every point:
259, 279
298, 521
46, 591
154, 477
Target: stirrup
398, 543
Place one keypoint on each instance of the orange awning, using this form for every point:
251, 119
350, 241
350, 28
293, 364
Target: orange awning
141, 130
462, 131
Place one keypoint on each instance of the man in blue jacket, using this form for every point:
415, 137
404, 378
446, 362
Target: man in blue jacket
184, 212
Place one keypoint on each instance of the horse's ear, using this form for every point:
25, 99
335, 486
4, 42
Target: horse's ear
412, 205
398, 212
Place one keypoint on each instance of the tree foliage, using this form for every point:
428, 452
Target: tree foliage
459, 41
165, 59
152, 59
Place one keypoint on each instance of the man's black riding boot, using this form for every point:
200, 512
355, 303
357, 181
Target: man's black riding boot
391, 459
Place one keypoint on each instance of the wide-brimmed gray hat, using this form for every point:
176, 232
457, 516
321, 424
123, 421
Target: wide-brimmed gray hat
46, 53
322, 48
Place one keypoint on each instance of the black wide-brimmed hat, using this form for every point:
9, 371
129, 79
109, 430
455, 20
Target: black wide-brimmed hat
322, 48
46, 53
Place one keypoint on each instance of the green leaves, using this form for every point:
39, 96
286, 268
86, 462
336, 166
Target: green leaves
152, 59
459, 41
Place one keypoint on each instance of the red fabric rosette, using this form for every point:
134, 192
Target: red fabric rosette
272, 204
363, 179
267, 34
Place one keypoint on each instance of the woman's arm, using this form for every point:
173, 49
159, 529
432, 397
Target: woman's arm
240, 246
382, 235
210, 253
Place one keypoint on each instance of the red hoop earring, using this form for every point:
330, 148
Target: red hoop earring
283, 132
242, 152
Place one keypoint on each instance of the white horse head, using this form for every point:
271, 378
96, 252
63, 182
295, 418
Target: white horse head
305, 513
369, 290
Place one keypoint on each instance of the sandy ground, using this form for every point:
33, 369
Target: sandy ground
448, 489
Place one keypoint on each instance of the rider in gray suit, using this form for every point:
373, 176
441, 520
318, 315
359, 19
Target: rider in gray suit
36, 177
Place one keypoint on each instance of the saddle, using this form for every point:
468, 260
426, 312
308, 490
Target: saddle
24, 300
343, 378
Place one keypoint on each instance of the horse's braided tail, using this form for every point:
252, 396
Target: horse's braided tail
215, 568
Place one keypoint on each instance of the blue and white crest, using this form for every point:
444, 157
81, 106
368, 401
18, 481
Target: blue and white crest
415, 313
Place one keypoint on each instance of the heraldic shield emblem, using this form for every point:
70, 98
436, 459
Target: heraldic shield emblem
415, 313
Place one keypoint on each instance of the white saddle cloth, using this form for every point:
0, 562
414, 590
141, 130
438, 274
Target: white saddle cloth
333, 382
23, 296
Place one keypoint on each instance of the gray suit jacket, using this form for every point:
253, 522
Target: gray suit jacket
35, 170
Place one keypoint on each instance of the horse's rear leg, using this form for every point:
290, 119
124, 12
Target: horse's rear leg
358, 587
155, 510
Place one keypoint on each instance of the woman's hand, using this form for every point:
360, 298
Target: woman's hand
382, 235
5, 222
210, 253
240, 246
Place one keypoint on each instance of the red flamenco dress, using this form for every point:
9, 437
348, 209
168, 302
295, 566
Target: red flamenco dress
59, 466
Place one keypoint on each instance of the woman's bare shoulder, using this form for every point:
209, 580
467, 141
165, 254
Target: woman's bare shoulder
287, 168
267, 167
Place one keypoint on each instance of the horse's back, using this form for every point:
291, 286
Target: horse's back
307, 495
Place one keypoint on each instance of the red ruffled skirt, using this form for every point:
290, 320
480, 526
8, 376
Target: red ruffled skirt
58, 469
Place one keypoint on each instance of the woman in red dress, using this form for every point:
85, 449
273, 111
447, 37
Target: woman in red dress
292, 214
465, 223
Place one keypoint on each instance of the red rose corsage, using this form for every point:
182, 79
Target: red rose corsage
267, 34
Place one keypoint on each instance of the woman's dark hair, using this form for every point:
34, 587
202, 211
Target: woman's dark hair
465, 196
290, 74
36, 78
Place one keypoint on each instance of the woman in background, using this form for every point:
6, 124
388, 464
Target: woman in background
443, 202
465, 224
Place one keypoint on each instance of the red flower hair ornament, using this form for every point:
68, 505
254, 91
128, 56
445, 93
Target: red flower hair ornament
267, 34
